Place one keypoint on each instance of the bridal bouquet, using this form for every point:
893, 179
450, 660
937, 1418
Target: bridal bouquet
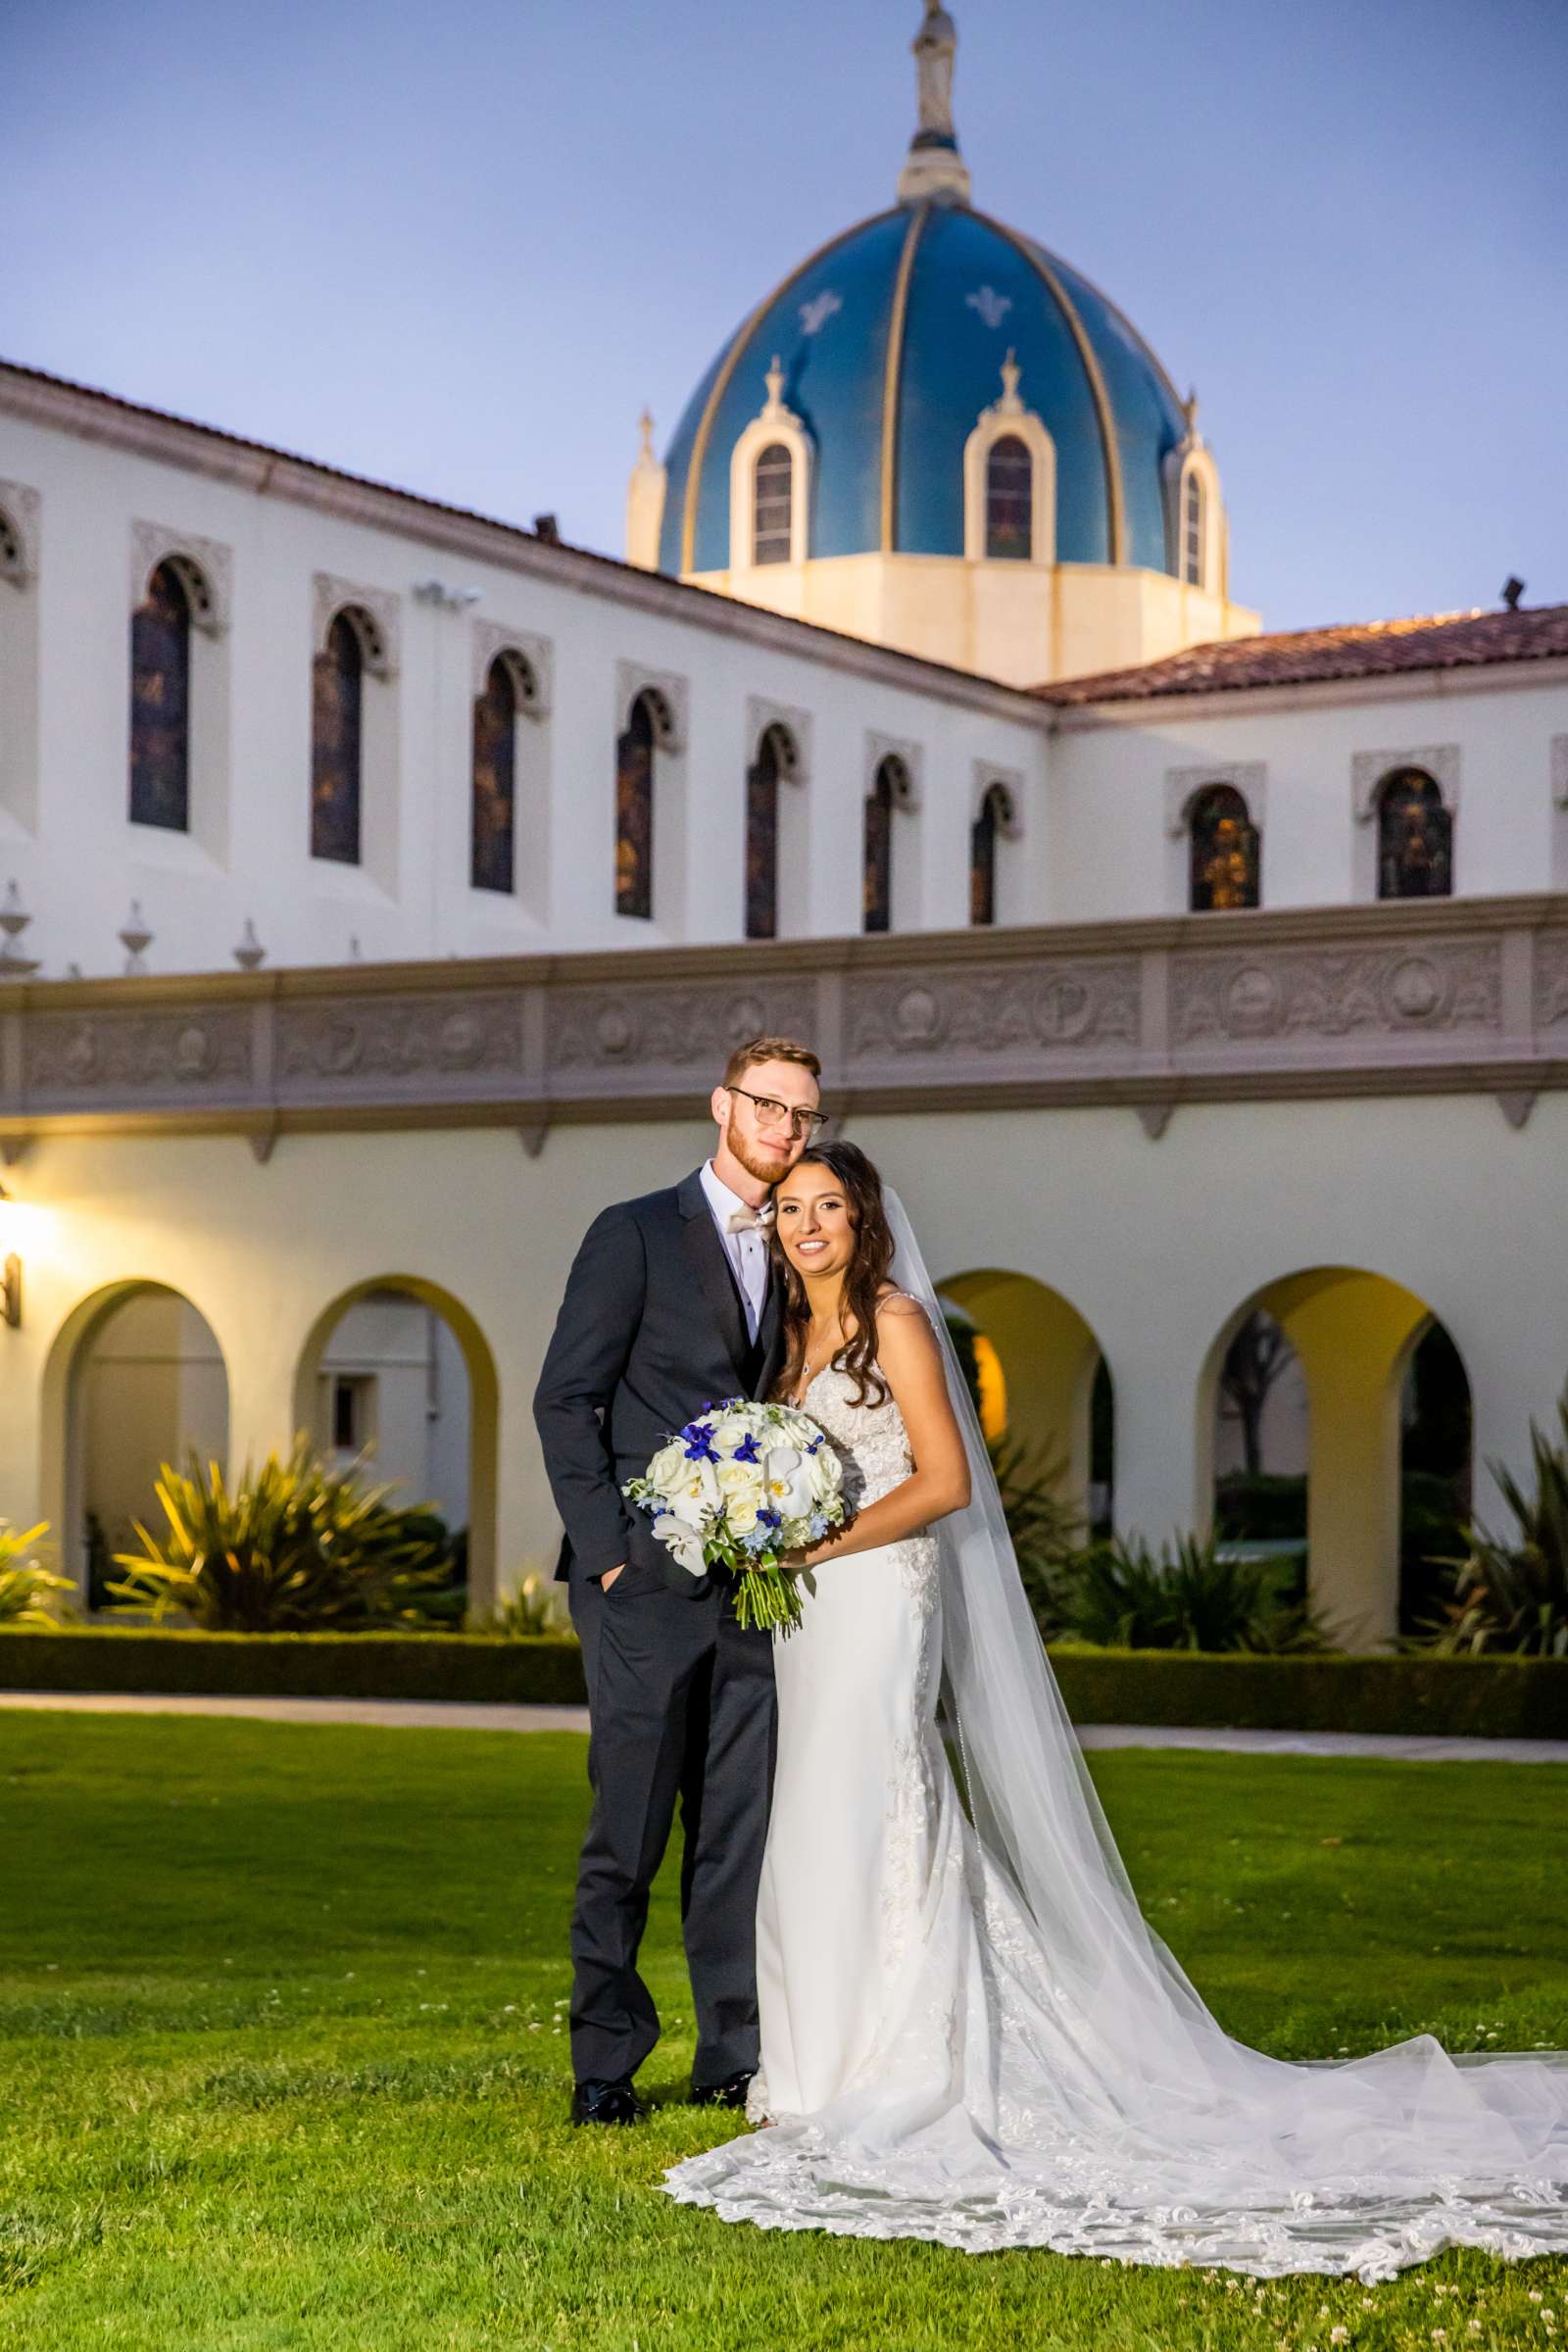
736, 1489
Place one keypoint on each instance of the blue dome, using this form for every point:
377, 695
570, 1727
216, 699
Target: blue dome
892, 340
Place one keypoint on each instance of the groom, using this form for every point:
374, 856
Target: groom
670, 1304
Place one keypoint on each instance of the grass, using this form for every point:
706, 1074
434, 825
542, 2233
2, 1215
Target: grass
283, 2064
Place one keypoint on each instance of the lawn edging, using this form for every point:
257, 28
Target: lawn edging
1500, 1699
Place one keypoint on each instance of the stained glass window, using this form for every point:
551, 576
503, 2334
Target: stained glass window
1193, 531
1415, 837
159, 703
495, 779
983, 837
336, 744
878, 888
1009, 498
762, 778
772, 500
634, 813
1226, 852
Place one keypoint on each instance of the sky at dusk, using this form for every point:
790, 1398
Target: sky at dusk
458, 247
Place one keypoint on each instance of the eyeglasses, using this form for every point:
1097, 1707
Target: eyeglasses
779, 1114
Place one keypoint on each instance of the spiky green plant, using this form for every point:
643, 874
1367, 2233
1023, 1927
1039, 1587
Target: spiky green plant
1125, 1596
535, 1611
1513, 1596
25, 1583
1046, 1532
295, 1547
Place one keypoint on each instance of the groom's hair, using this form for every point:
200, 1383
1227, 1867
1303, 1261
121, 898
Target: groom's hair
769, 1049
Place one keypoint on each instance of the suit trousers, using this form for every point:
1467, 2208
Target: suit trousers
681, 1710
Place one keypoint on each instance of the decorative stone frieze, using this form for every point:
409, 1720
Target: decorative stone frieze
1393, 991
641, 1031
1431, 995
73, 1058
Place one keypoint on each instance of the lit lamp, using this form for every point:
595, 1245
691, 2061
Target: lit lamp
10, 1269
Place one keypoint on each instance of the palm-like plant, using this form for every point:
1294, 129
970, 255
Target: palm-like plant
1124, 1596
26, 1583
294, 1548
1514, 1596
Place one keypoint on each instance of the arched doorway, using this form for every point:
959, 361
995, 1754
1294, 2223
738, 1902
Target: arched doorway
1346, 1392
144, 1383
1043, 1385
397, 1367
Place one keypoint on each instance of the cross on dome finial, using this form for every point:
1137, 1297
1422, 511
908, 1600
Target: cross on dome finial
774, 380
644, 426
1011, 373
933, 169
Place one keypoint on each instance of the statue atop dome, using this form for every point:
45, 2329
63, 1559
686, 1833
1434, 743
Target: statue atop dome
935, 47
934, 169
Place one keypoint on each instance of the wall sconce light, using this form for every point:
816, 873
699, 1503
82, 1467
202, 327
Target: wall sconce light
10, 1274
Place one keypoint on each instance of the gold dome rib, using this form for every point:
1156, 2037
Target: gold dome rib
1115, 500
892, 370
721, 383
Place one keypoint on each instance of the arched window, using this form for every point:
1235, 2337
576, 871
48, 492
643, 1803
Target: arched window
337, 730
775, 760
1415, 837
996, 813
159, 703
890, 787
1009, 498
494, 793
772, 503
1192, 530
634, 811
1226, 850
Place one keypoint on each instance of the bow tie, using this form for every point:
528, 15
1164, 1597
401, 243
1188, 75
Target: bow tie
751, 1220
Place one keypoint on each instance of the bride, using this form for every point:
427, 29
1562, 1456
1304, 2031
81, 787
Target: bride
968, 2032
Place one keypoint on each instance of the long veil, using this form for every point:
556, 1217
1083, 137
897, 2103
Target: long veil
1190, 2145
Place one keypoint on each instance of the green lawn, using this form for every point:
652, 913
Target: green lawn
282, 2062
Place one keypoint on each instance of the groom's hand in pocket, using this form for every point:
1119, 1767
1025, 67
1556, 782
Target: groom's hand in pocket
609, 1578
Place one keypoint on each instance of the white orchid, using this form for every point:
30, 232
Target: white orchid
682, 1542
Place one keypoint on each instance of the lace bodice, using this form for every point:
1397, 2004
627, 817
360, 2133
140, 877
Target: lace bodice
871, 1441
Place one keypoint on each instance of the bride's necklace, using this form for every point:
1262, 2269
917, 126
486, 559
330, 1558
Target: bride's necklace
809, 1370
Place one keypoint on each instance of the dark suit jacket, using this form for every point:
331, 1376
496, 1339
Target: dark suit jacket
651, 1328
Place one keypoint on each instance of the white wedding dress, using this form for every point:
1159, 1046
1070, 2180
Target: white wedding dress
970, 2034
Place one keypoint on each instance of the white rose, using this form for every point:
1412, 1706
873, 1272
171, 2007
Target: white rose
732, 1431
667, 1467
694, 1497
789, 1482
826, 1474
741, 1512
736, 1480
681, 1544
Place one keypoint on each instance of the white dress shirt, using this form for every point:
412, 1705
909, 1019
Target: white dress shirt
746, 1251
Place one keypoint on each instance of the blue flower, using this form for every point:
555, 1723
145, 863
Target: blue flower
745, 1451
699, 1442
817, 1442
769, 1519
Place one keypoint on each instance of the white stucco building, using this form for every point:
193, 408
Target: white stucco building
381, 887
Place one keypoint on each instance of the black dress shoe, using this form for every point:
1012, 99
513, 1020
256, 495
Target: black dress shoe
606, 2103
721, 2095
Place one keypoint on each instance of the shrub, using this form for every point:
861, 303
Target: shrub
294, 1548
1514, 1596
26, 1583
1046, 1533
535, 1611
1260, 1507
1124, 1596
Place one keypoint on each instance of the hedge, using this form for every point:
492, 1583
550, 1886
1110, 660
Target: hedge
1516, 1699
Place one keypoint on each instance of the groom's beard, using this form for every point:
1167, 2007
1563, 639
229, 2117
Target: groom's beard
751, 1156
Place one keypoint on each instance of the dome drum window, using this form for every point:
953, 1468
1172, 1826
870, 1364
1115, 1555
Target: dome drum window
1009, 500
772, 505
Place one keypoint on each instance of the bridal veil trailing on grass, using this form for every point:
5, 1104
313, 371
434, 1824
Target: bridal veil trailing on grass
1038, 2069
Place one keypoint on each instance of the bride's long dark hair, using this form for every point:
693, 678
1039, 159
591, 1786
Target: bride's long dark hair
863, 1278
